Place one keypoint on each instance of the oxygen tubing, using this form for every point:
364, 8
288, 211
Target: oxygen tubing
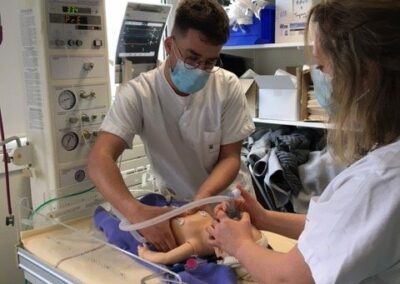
124, 225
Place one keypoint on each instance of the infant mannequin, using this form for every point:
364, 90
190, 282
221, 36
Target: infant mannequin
191, 237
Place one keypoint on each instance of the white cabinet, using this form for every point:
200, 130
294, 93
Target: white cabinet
293, 123
269, 57
266, 58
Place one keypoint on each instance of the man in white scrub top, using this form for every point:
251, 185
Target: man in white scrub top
190, 114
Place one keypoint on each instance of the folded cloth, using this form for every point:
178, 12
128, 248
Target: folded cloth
109, 225
154, 199
209, 273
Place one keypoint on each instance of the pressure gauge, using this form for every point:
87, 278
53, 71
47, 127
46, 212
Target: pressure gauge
69, 141
66, 99
80, 175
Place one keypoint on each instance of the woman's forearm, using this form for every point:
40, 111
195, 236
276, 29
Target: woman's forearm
287, 224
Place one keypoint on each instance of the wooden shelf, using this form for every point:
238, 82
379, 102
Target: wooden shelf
265, 46
294, 123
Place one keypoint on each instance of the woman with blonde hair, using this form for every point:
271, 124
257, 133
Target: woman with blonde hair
350, 233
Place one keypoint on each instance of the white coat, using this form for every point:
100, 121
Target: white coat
352, 231
182, 135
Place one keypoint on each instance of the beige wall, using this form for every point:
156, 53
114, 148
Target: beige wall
9, 236
12, 102
12, 97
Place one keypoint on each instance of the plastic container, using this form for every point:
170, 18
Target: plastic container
260, 32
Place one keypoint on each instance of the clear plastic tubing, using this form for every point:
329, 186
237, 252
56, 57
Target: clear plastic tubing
124, 225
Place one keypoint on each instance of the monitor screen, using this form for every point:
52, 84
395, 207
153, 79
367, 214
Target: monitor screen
139, 41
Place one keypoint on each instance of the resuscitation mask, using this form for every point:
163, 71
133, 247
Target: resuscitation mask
322, 87
186, 80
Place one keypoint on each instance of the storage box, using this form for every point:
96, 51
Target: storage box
278, 98
310, 109
250, 88
261, 31
290, 19
305, 82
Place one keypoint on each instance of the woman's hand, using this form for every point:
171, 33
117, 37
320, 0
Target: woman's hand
227, 234
249, 204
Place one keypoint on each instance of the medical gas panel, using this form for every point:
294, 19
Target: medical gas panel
68, 94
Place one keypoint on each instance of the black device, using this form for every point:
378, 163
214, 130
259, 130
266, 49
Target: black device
1, 31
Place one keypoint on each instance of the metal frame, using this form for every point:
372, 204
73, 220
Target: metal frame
37, 272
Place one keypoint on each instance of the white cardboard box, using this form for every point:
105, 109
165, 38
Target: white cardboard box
290, 19
278, 98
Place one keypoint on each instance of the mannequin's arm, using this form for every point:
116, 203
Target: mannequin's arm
175, 255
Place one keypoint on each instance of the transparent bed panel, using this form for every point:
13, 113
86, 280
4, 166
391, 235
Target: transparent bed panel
78, 250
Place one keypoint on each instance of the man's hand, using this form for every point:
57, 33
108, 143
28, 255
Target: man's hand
105, 174
160, 235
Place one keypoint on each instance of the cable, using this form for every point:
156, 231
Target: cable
58, 198
10, 218
125, 225
120, 162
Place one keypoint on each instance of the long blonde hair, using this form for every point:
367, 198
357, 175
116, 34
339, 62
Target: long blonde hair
362, 40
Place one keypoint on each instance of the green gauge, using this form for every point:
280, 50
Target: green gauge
70, 141
66, 99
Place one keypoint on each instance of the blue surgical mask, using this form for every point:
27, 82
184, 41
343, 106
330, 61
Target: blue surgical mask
188, 81
322, 87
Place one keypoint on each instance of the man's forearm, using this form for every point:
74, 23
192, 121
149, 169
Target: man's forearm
220, 178
107, 177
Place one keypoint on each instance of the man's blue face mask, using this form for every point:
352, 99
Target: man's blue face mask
188, 81
322, 87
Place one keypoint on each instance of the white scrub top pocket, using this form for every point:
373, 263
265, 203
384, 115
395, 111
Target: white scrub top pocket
211, 147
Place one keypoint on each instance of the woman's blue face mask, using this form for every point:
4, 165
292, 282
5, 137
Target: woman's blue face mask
322, 87
188, 81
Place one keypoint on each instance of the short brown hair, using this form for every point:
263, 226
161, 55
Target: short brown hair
361, 39
206, 16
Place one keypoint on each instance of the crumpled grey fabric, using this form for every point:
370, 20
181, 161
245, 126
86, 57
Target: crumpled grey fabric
288, 179
259, 148
315, 175
261, 166
275, 158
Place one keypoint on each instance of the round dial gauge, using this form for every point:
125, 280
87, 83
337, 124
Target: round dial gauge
69, 141
66, 99
80, 175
